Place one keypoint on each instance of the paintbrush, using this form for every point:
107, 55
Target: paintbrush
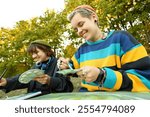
3, 73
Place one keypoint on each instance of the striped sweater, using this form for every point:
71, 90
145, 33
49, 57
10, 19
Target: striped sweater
124, 59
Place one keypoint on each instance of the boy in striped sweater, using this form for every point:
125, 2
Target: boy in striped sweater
112, 62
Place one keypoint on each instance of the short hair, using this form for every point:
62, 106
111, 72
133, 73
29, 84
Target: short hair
83, 10
46, 49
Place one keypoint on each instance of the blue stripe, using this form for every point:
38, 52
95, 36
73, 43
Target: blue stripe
110, 80
127, 40
100, 44
114, 49
145, 81
145, 73
110, 33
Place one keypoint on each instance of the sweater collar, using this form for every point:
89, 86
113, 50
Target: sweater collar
101, 40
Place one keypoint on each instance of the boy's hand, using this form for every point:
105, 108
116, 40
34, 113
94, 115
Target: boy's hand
63, 63
3, 82
88, 73
43, 79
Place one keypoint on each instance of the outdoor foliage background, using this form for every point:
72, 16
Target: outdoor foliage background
130, 15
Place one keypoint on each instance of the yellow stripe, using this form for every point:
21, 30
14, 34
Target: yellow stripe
95, 88
134, 55
119, 80
109, 61
89, 87
75, 63
138, 86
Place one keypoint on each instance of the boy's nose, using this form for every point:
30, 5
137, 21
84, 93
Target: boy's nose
34, 55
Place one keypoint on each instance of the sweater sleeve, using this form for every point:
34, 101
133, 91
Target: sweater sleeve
134, 74
13, 84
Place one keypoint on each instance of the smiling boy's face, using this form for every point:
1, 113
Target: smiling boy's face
85, 27
39, 56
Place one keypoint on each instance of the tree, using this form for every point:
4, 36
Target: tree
14, 42
69, 51
131, 15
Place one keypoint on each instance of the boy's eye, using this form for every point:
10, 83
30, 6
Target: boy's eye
75, 29
80, 24
35, 52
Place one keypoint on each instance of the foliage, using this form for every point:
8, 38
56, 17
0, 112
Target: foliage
69, 51
131, 15
14, 42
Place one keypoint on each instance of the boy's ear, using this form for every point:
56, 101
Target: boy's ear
48, 53
94, 16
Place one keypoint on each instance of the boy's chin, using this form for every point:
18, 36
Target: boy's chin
87, 39
37, 62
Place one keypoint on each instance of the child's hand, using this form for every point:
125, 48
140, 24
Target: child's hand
43, 79
89, 73
63, 63
3, 82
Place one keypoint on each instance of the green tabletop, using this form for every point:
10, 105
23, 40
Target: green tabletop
96, 96
87, 96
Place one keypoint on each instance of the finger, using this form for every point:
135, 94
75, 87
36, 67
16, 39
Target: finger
60, 62
63, 66
79, 73
43, 75
85, 71
88, 80
82, 77
40, 80
63, 60
36, 78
